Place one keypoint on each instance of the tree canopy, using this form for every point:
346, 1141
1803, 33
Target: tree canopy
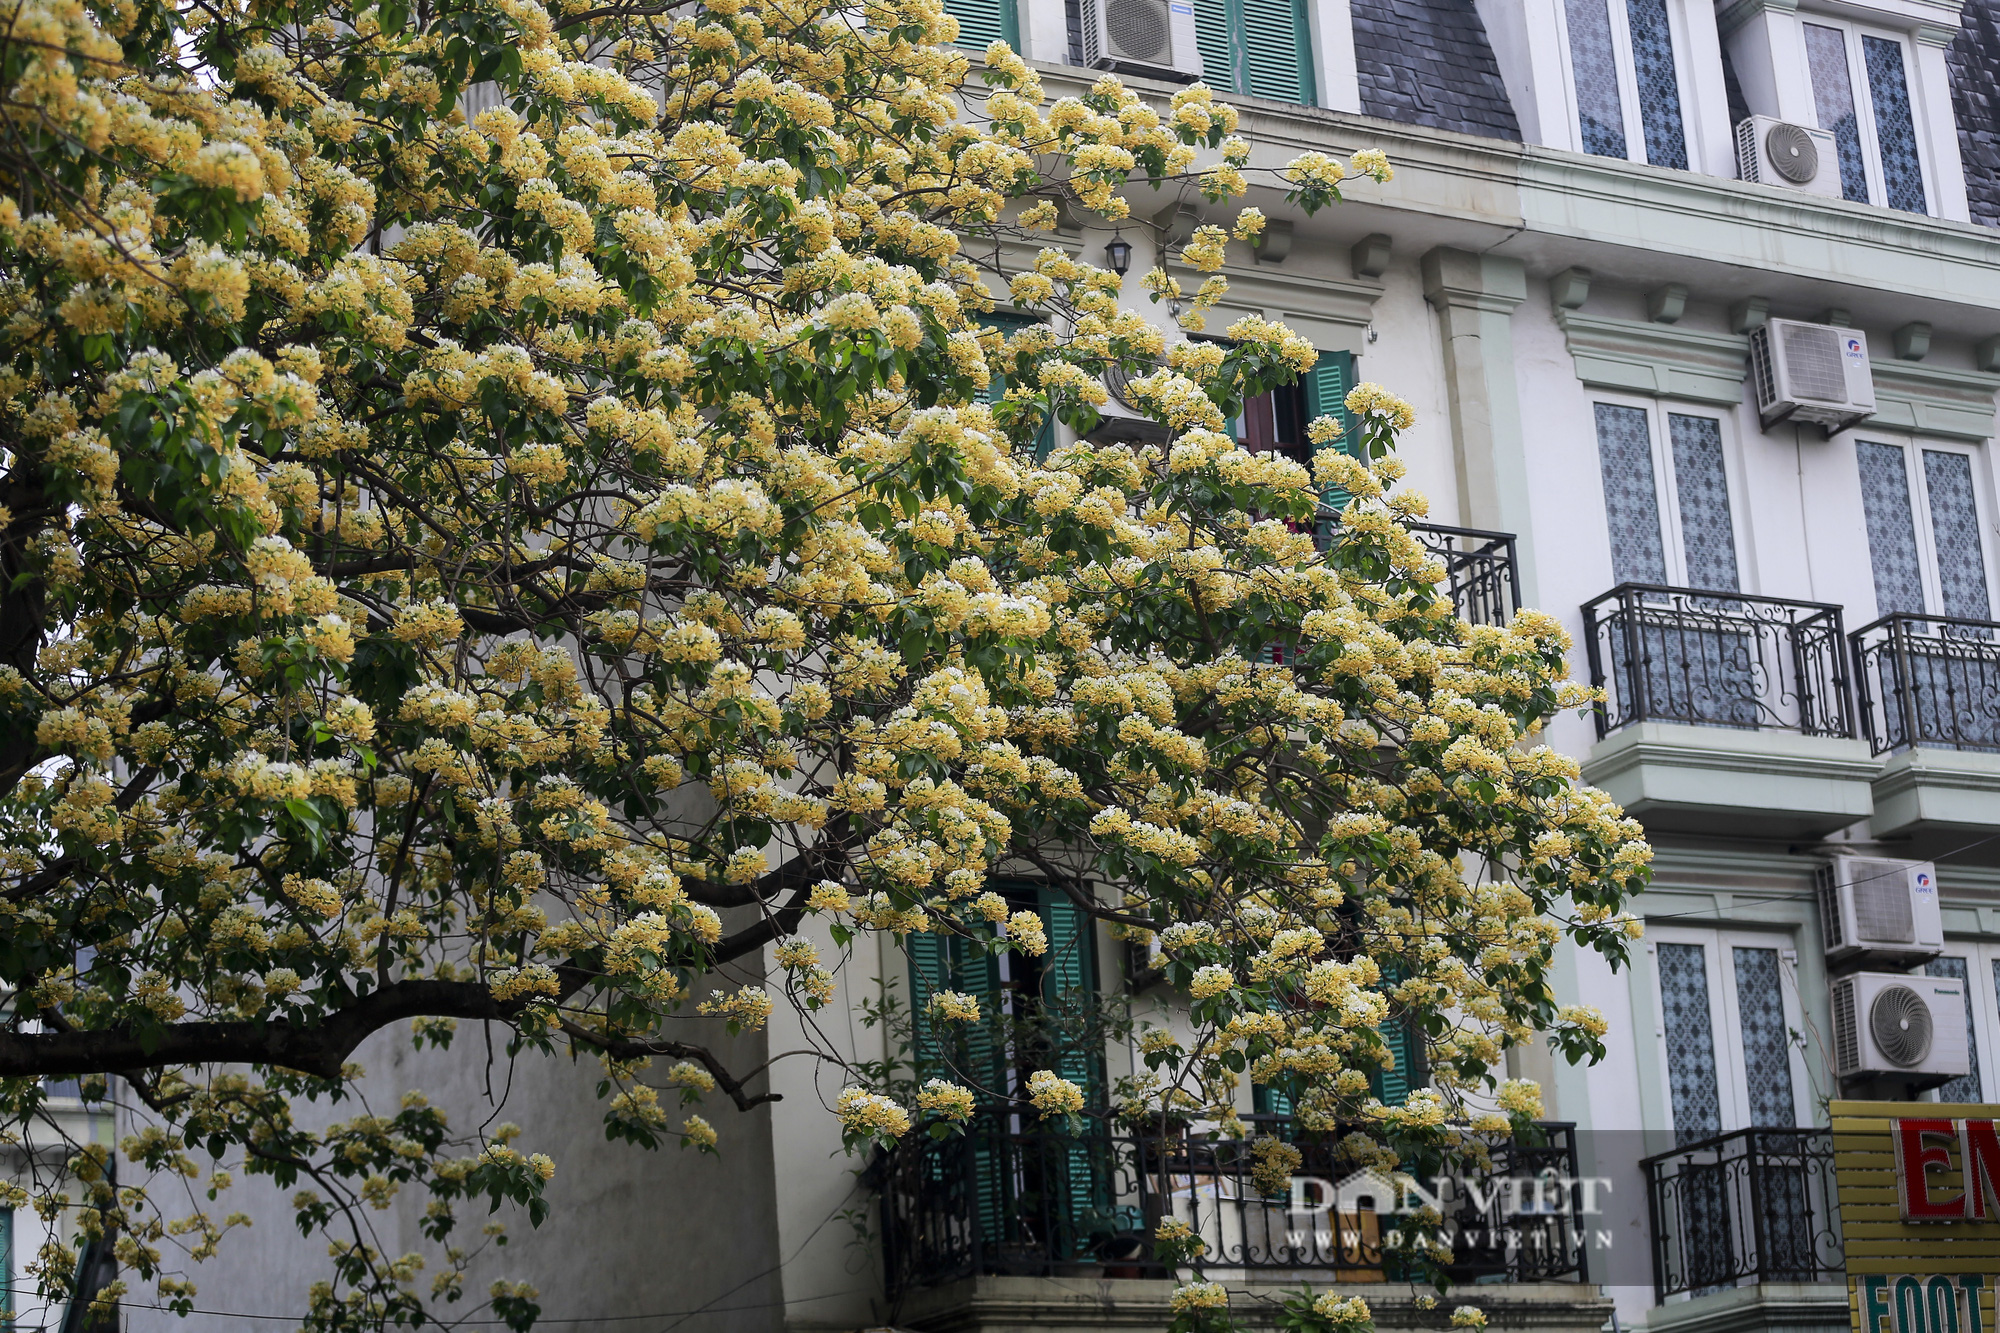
491, 488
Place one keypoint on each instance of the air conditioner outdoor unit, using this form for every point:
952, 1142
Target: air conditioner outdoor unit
1875, 910
1811, 372
1150, 37
1798, 157
1909, 1029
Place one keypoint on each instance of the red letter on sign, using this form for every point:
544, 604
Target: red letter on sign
1979, 1150
1916, 1153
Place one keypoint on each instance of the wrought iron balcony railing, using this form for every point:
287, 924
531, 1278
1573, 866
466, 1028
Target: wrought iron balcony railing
1757, 1205
1009, 1198
1929, 681
1717, 659
1481, 571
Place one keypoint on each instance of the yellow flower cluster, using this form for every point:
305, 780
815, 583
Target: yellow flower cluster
482, 536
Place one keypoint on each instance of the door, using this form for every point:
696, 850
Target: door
1675, 656
1731, 1057
1922, 502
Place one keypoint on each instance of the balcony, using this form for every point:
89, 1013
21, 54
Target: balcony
1012, 1201
1481, 572
1752, 1208
1725, 712
1930, 699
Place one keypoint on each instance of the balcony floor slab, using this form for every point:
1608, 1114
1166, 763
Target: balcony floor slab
1939, 800
1769, 1307
1088, 1304
1686, 779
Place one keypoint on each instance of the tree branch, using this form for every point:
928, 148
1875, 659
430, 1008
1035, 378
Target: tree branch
319, 1050
621, 1048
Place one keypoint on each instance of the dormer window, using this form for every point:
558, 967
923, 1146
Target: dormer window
1861, 91
1626, 83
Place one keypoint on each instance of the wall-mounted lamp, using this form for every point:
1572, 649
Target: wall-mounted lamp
1119, 251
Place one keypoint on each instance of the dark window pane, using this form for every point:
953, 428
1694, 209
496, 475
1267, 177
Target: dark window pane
1767, 1042
1955, 533
1701, 483
1833, 98
1895, 132
1600, 116
1892, 533
1659, 88
1631, 504
1690, 1041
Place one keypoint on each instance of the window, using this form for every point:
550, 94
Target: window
1259, 47
1979, 969
1035, 1013
1729, 1013
996, 388
1666, 497
1861, 92
1054, 995
1626, 80
1278, 418
984, 22
1922, 510
1275, 420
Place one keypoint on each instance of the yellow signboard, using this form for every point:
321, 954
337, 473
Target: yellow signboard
1919, 1187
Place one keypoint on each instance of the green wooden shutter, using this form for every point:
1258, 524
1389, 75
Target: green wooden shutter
1260, 47
930, 972
1394, 1086
1302, 47
978, 972
1069, 977
996, 388
983, 22
940, 962
1271, 42
1212, 38
1327, 386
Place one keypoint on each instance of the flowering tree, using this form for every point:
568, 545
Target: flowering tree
489, 488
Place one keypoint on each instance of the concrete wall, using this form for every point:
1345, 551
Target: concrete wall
689, 1238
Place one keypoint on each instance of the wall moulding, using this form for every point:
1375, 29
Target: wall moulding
1657, 360
1330, 313
1933, 400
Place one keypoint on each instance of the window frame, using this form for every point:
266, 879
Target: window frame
1666, 483
1980, 957
1732, 1077
1864, 102
1626, 71
1915, 476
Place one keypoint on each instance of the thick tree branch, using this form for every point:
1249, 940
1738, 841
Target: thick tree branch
319, 1049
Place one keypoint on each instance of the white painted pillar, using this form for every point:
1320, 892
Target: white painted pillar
1769, 53
1526, 36
1711, 138
1334, 69
1930, 95
1044, 30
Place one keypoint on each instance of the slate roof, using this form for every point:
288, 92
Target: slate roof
1974, 58
1427, 62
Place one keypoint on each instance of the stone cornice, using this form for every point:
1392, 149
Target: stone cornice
1474, 192
1328, 312
1933, 400
1656, 360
